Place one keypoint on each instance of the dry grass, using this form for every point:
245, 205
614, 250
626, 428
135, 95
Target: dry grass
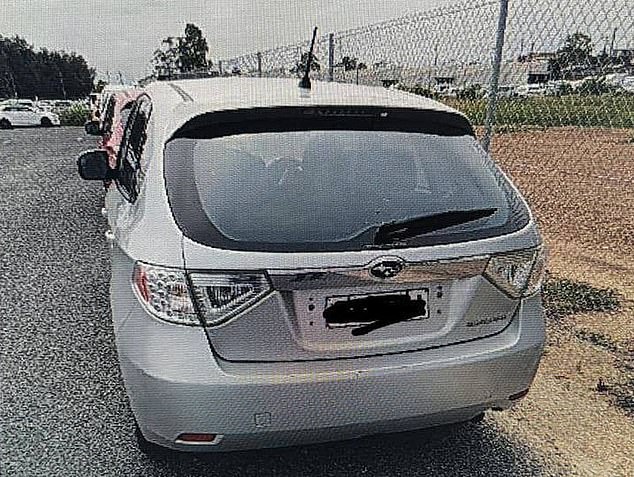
580, 184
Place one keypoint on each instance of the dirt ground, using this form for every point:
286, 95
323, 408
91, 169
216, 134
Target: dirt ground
580, 184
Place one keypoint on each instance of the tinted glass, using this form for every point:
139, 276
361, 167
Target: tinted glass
109, 116
132, 146
125, 114
333, 189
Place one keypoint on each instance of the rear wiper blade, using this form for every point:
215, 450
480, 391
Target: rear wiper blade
398, 230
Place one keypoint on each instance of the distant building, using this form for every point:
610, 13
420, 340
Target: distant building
538, 56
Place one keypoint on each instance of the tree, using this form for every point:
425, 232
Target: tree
181, 54
43, 74
166, 60
577, 48
352, 64
576, 54
193, 49
300, 66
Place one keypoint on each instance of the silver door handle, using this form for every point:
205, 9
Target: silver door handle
104, 212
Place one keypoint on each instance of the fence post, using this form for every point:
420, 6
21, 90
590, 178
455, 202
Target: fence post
331, 57
259, 55
220, 67
489, 124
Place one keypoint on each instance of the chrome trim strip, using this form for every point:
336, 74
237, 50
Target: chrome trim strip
421, 272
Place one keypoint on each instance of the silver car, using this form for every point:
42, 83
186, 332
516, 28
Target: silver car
293, 266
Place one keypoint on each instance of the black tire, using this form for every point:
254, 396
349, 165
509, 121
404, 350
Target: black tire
5, 124
46, 123
146, 447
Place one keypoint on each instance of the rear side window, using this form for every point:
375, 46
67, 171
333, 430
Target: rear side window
125, 113
331, 190
130, 173
109, 116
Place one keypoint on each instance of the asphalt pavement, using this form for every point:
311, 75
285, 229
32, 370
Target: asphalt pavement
63, 408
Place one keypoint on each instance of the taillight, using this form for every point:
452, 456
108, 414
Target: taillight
220, 296
165, 293
518, 274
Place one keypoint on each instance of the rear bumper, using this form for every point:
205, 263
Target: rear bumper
177, 386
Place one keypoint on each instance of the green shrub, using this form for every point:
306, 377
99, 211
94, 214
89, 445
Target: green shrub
595, 87
418, 90
76, 115
564, 89
564, 297
471, 93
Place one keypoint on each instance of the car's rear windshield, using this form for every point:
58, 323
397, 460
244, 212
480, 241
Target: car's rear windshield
331, 190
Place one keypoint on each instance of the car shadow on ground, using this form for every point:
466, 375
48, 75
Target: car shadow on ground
455, 450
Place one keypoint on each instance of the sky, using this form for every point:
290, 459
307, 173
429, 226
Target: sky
121, 35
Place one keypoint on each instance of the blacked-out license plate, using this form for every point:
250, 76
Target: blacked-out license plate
357, 310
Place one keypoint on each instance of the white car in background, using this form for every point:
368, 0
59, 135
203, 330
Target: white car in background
21, 115
622, 81
18, 102
507, 91
528, 90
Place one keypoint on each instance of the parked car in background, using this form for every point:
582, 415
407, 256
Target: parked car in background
62, 104
18, 102
94, 104
46, 105
628, 84
504, 91
21, 115
293, 266
57, 106
529, 90
507, 91
620, 81
106, 94
113, 122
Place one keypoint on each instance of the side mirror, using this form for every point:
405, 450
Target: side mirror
92, 128
93, 166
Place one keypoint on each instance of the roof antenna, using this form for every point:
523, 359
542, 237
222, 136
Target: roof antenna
305, 82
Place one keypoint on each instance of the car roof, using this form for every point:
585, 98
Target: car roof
176, 102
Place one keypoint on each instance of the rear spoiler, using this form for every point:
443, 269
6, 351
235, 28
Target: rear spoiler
360, 118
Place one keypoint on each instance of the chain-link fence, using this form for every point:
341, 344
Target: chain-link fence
562, 105
564, 63
412, 51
